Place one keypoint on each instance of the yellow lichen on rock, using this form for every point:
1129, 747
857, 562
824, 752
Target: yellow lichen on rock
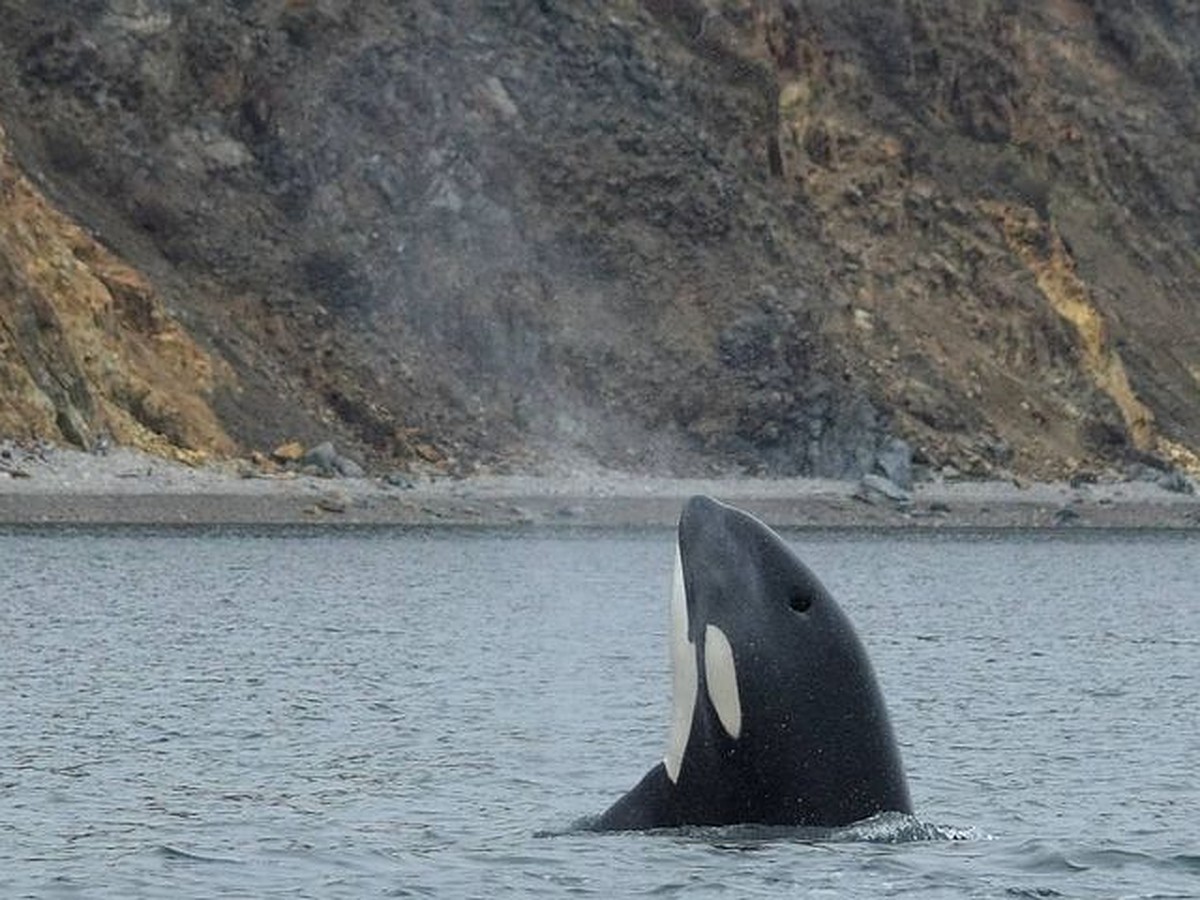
1181, 456
86, 345
1041, 249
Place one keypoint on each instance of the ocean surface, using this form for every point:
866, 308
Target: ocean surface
390, 713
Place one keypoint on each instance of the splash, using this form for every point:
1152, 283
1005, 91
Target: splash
884, 828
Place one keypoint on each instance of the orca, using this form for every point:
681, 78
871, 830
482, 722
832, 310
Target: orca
777, 718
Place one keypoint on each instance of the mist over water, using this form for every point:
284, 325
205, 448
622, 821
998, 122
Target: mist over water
427, 713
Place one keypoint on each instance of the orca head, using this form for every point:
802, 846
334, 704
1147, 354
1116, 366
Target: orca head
740, 609
770, 683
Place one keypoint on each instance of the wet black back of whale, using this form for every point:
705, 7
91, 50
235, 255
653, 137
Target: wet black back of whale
802, 737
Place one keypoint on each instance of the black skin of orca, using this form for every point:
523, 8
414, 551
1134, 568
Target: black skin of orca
815, 746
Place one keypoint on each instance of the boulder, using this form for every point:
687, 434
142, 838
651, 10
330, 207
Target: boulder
323, 458
894, 460
347, 468
1176, 482
326, 460
878, 484
292, 451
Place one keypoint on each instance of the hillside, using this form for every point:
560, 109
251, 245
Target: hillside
88, 352
658, 236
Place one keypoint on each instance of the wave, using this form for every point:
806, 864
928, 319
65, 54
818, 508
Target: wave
178, 853
883, 828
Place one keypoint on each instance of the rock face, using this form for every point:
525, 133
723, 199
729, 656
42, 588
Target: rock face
87, 349
768, 236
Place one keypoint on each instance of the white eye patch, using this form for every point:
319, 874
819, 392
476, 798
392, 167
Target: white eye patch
720, 674
684, 675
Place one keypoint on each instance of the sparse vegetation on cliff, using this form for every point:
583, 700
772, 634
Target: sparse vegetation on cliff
762, 236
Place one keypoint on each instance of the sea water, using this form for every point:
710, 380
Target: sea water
321, 713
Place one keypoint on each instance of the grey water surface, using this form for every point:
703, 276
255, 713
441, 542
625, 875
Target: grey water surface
390, 713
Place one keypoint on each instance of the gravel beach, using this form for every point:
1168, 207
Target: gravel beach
59, 486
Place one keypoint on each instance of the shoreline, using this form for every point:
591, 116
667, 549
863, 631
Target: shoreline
65, 488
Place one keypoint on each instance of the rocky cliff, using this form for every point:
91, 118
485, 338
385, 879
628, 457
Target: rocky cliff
756, 235
88, 351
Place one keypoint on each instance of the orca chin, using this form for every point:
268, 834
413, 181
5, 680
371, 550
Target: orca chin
777, 718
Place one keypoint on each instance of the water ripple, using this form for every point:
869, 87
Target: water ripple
397, 713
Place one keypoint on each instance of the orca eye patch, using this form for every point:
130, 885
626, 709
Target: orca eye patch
800, 601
